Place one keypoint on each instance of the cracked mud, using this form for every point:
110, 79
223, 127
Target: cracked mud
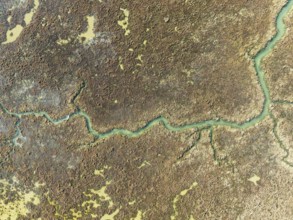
146, 109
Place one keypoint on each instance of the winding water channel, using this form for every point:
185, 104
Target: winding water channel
257, 59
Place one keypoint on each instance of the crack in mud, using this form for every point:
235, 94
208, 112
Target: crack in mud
193, 145
282, 102
280, 142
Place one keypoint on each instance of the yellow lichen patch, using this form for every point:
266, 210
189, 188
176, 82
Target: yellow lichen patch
94, 215
103, 196
89, 206
100, 172
132, 202
14, 201
125, 22
89, 34
13, 34
177, 197
138, 216
189, 73
254, 179
76, 214
9, 19
139, 58
145, 163
28, 16
121, 63
38, 184
62, 41
191, 218
110, 216
55, 204
94, 199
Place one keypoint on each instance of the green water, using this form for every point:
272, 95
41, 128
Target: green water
281, 29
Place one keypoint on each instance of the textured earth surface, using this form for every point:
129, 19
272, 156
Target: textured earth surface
172, 109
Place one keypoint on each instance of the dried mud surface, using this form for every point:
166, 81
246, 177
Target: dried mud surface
75, 69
